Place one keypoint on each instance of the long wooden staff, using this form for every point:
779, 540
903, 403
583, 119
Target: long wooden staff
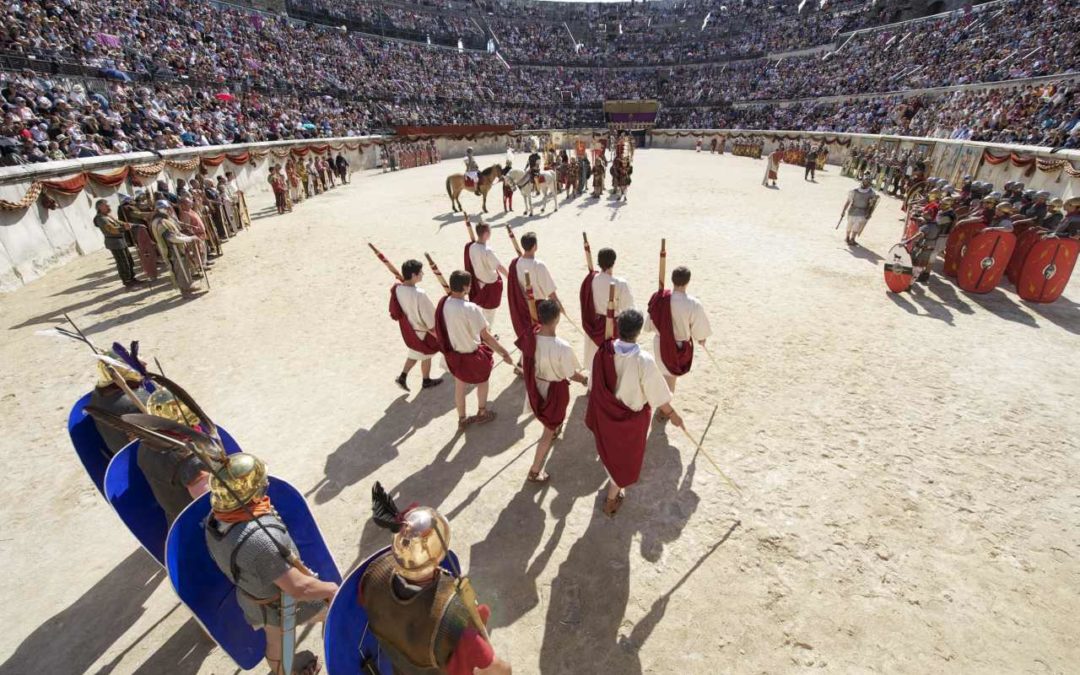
389, 266
468, 225
663, 262
588, 253
517, 246
437, 273
609, 322
530, 299
716, 466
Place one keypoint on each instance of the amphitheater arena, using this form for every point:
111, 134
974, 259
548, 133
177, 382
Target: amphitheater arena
886, 480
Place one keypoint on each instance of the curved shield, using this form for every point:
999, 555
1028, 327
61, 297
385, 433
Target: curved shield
89, 446
898, 269
210, 595
1024, 242
954, 245
984, 261
346, 626
129, 493
1047, 269
910, 228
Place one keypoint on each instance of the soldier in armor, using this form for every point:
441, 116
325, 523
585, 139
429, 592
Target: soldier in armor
109, 396
534, 171
175, 478
472, 170
419, 612
599, 171
251, 546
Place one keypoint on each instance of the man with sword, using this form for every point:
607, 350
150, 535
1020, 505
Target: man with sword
858, 207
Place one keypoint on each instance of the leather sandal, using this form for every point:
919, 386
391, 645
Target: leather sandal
612, 506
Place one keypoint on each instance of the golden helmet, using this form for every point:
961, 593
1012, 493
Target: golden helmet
125, 371
244, 476
162, 403
421, 544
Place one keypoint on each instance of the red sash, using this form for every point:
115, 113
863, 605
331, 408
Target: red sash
591, 322
472, 368
487, 296
676, 359
518, 303
429, 345
551, 411
620, 432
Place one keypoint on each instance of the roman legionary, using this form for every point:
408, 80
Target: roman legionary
599, 171
625, 384
549, 364
110, 397
543, 285
772, 166
487, 273
466, 344
679, 321
425, 620
859, 206
173, 245
411, 307
925, 243
249, 542
594, 295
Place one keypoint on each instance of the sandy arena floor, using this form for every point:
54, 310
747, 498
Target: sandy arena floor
908, 464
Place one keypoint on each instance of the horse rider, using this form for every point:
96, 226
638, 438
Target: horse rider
533, 171
472, 170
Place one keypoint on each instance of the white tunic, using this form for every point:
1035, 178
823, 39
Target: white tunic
637, 378
555, 361
484, 262
464, 321
420, 312
542, 283
623, 298
688, 320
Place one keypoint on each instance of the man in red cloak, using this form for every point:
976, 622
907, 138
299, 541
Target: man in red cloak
626, 384
486, 271
411, 307
467, 346
679, 320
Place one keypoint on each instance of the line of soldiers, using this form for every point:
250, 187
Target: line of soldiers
626, 381
182, 230
891, 171
396, 155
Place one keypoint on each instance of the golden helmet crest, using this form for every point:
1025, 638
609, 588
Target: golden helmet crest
421, 544
163, 403
125, 371
244, 476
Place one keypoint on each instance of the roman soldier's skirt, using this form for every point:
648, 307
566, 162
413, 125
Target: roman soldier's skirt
551, 411
677, 359
429, 345
591, 322
471, 368
487, 296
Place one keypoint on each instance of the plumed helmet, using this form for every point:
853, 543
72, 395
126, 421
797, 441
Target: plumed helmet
241, 480
116, 363
164, 404
421, 543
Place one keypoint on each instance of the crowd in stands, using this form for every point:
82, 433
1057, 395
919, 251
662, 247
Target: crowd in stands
173, 73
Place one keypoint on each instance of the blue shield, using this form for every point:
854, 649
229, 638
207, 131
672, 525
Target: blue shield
127, 490
211, 597
89, 445
346, 624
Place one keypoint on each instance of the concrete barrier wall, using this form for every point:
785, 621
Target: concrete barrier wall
35, 240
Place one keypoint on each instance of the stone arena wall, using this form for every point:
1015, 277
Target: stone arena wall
35, 239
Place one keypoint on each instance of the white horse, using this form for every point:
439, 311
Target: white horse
521, 182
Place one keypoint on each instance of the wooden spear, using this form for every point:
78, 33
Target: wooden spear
588, 253
468, 225
389, 266
663, 262
438, 274
530, 299
609, 323
517, 246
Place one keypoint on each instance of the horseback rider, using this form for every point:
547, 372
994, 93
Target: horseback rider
533, 171
472, 170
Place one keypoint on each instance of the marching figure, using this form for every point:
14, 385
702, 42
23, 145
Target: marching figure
593, 292
411, 307
859, 207
772, 166
599, 171
487, 273
625, 384
679, 320
549, 363
472, 170
462, 332
540, 283
426, 619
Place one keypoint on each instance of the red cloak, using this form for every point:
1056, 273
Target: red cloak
676, 359
472, 368
620, 432
551, 411
591, 322
487, 296
517, 303
429, 345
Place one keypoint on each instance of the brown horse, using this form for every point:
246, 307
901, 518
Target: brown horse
455, 183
